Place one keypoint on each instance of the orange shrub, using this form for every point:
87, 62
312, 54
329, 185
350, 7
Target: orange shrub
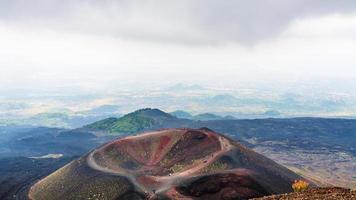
300, 185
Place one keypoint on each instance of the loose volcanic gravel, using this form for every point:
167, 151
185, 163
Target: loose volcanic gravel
316, 194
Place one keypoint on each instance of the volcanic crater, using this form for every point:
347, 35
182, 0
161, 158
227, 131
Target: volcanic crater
167, 164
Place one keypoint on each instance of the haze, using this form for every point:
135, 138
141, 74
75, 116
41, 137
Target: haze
76, 47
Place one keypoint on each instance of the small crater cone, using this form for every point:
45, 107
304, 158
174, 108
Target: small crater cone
167, 164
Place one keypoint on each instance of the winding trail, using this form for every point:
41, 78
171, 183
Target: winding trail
174, 163
165, 182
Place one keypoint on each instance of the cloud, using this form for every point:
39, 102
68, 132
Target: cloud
67, 45
178, 21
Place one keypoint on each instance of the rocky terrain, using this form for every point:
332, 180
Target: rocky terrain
167, 164
17, 174
316, 194
321, 150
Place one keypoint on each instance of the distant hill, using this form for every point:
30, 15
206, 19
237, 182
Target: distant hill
320, 149
334, 139
200, 117
297, 131
182, 114
148, 119
133, 122
207, 117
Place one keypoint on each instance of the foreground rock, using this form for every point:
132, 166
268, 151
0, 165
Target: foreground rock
167, 164
316, 194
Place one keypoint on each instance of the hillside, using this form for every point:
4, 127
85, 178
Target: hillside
17, 173
318, 148
133, 122
315, 194
322, 150
181, 114
167, 164
207, 117
200, 117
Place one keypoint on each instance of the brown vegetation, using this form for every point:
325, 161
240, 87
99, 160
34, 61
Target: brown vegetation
300, 185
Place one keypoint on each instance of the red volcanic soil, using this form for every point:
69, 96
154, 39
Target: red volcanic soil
316, 194
168, 164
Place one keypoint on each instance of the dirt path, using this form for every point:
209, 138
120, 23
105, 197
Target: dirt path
165, 181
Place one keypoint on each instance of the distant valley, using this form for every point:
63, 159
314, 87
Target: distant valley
195, 102
320, 149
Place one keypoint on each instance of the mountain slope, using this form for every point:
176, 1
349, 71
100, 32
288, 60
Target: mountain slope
167, 164
182, 114
132, 122
291, 142
207, 117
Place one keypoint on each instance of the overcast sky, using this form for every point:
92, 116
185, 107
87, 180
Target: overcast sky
107, 44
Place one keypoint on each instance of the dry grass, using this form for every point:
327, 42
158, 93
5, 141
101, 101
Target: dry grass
300, 185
